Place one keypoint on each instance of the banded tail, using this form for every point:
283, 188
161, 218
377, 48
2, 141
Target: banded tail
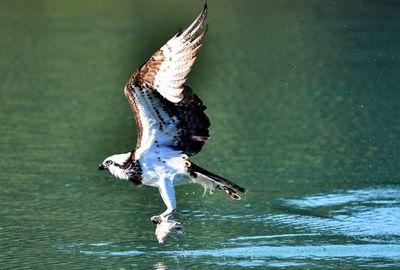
210, 181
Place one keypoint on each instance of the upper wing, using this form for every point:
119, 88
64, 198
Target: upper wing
167, 113
167, 69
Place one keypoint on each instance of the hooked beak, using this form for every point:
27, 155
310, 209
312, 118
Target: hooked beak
101, 167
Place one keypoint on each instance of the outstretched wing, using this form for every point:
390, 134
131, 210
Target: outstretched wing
167, 69
167, 112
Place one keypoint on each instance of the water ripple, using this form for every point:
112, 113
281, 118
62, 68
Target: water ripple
373, 212
358, 227
385, 195
272, 256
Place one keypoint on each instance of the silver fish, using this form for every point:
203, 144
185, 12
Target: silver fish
165, 227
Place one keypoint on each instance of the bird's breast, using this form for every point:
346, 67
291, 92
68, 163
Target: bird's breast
157, 168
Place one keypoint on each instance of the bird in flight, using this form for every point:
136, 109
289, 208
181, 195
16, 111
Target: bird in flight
171, 127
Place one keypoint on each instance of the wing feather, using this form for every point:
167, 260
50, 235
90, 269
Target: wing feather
167, 68
182, 126
168, 113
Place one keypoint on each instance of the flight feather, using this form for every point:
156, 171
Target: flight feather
166, 111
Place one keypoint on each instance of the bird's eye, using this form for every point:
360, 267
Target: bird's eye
109, 162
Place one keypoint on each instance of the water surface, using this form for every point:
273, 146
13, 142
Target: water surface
304, 103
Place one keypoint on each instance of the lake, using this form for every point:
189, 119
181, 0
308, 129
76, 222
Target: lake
304, 102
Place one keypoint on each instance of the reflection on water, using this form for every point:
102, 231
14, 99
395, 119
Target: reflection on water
160, 266
366, 221
258, 254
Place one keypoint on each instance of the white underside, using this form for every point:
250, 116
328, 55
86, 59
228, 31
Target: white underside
162, 166
158, 161
165, 163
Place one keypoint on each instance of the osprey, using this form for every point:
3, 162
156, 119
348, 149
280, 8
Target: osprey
172, 126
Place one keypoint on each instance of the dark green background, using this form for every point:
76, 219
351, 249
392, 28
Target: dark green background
304, 102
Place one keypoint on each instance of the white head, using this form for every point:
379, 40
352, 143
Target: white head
114, 164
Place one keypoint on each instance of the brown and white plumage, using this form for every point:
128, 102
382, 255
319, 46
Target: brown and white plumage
157, 89
167, 69
171, 125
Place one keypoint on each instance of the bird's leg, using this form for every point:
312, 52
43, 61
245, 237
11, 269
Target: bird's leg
167, 192
165, 225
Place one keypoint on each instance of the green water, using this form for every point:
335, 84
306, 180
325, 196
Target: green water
304, 102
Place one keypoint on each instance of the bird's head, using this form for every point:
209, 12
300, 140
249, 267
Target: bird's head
115, 165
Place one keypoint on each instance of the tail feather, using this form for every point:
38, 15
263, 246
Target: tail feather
210, 181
